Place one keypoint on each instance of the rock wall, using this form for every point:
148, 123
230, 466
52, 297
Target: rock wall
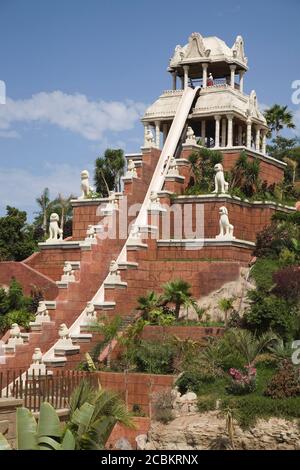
199, 431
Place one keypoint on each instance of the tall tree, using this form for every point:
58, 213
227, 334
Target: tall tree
16, 236
108, 171
44, 202
62, 205
278, 117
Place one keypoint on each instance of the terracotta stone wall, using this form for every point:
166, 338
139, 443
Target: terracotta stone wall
142, 426
268, 170
28, 277
86, 214
51, 262
136, 389
195, 333
248, 219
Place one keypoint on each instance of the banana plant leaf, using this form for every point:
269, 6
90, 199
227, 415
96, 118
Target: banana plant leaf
26, 430
4, 445
68, 442
82, 416
49, 424
48, 443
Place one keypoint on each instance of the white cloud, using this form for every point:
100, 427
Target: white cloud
90, 119
19, 187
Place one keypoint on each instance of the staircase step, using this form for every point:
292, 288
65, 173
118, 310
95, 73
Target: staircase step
115, 285
127, 265
55, 361
135, 246
106, 305
50, 304
81, 337
67, 351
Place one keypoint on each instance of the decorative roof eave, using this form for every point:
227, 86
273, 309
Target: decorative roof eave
208, 60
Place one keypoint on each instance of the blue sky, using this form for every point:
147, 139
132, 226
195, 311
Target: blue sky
79, 73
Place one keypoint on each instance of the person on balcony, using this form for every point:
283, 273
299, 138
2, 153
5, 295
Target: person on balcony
210, 80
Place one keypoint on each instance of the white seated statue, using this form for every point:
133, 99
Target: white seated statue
15, 337
90, 233
114, 273
64, 338
190, 137
55, 232
131, 170
68, 275
86, 189
37, 368
173, 168
90, 313
226, 228
149, 139
221, 186
42, 314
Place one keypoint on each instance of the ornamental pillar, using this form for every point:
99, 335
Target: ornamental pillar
203, 132
157, 134
241, 74
257, 139
186, 76
223, 143
217, 131
249, 134
229, 130
204, 75
232, 75
174, 76
264, 142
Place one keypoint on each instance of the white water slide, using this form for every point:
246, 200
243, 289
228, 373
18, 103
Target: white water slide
156, 185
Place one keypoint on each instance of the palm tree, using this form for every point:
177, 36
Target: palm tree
44, 203
176, 292
93, 414
226, 305
248, 345
108, 329
278, 117
63, 205
148, 303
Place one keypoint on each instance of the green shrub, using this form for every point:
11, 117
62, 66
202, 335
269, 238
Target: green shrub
193, 380
262, 272
153, 357
285, 383
21, 317
252, 407
205, 404
271, 312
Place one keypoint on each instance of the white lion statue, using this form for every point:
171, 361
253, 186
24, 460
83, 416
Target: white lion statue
221, 186
55, 232
86, 189
226, 228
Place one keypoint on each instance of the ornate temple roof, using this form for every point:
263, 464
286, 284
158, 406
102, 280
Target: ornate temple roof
209, 49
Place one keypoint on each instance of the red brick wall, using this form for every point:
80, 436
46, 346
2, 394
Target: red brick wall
50, 262
136, 389
28, 277
248, 220
268, 171
85, 214
195, 333
142, 426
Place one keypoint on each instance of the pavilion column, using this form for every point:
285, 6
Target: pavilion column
264, 142
232, 75
204, 75
157, 134
174, 76
186, 76
223, 143
240, 135
203, 132
165, 131
229, 130
249, 134
145, 132
257, 139
217, 131
241, 74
